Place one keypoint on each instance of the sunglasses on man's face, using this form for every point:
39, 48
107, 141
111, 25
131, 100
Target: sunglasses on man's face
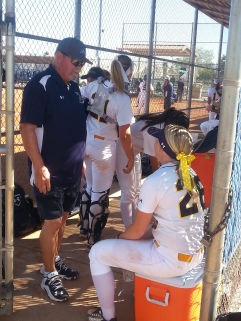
75, 62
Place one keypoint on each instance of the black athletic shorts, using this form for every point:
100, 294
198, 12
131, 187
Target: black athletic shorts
60, 199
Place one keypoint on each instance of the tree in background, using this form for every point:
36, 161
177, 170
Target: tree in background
205, 58
222, 65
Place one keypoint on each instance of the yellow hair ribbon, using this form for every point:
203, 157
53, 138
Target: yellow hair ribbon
185, 162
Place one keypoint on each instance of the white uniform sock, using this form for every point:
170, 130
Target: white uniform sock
105, 288
49, 275
57, 258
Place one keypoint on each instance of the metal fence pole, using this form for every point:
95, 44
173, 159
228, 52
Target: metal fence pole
10, 33
223, 163
77, 23
154, 63
150, 53
99, 36
192, 61
220, 50
122, 37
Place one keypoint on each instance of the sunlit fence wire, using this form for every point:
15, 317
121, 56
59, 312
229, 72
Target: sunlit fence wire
41, 24
230, 288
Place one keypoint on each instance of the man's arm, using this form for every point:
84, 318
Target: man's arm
41, 173
126, 143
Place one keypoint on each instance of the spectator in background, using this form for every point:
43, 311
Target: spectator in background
213, 112
212, 115
142, 95
158, 87
180, 89
172, 80
212, 93
167, 91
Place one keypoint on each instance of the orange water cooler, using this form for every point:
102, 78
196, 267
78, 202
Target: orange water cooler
169, 299
203, 165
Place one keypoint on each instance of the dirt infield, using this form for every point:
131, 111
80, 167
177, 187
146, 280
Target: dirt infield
198, 112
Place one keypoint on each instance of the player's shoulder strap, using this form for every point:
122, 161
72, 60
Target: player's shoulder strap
101, 96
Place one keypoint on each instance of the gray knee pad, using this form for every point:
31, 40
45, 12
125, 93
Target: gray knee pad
99, 213
84, 212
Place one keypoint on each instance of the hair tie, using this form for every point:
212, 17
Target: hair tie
185, 162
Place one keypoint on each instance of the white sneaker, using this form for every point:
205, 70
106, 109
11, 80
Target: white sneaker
54, 288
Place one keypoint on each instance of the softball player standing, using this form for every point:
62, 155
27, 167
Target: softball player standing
142, 143
173, 197
142, 95
100, 155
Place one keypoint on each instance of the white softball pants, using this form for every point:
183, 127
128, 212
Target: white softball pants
100, 161
141, 102
208, 125
130, 184
139, 256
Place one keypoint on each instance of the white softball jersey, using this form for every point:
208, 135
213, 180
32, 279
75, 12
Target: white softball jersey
177, 232
179, 218
118, 107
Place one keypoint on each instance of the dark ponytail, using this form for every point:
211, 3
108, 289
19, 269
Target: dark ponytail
169, 116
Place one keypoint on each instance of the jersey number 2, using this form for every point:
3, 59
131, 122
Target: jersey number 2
185, 209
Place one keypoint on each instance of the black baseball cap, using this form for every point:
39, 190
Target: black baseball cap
94, 72
74, 49
160, 135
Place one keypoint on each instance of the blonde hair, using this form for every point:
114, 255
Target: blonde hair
180, 141
116, 74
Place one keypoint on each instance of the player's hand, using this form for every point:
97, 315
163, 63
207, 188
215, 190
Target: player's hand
42, 179
129, 166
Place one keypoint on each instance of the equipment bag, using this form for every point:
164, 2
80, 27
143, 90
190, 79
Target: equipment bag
231, 316
145, 165
26, 218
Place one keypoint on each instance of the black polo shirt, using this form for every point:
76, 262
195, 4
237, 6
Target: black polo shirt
58, 112
167, 90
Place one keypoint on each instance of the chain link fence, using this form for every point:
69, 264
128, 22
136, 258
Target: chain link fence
41, 24
108, 28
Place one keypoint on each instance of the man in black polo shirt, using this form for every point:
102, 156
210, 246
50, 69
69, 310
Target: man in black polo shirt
53, 129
